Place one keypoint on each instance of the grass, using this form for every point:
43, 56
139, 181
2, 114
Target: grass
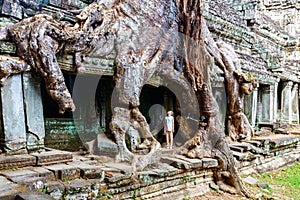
283, 183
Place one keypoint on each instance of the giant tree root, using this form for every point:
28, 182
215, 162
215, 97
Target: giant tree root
122, 120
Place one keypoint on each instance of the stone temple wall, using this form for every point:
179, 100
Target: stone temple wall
263, 33
266, 48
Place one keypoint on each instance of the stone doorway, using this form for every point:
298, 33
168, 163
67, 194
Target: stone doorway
155, 102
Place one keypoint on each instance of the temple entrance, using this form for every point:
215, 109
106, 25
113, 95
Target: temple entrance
92, 116
154, 103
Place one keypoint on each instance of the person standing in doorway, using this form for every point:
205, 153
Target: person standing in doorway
169, 129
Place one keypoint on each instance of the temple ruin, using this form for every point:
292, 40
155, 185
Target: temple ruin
57, 55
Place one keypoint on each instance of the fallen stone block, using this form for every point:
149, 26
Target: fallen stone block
250, 180
64, 172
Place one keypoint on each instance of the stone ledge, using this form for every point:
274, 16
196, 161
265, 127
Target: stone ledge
44, 158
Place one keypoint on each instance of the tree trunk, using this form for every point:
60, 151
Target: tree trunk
209, 140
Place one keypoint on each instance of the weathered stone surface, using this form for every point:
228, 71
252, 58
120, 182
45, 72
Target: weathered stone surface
77, 189
64, 172
106, 146
124, 168
181, 164
243, 156
55, 2
56, 189
8, 162
280, 140
88, 171
52, 157
12, 8
32, 183
13, 131
165, 170
19, 174
33, 197
43, 172
33, 111
8, 189
7, 47
250, 180
209, 163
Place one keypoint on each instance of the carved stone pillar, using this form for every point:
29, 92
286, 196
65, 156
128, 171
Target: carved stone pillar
22, 122
266, 106
33, 112
254, 106
275, 102
295, 107
286, 102
13, 127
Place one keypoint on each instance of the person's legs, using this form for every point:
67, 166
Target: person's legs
171, 140
168, 139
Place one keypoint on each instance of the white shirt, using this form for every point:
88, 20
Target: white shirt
169, 123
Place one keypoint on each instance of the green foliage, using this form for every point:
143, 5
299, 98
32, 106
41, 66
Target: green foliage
285, 182
106, 196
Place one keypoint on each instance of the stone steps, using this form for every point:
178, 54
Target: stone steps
175, 176
47, 157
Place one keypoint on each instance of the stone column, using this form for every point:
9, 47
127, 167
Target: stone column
13, 128
34, 116
272, 95
254, 106
275, 102
295, 107
267, 101
286, 101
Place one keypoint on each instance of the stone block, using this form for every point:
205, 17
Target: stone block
19, 174
55, 2
33, 111
181, 164
12, 8
7, 47
195, 163
78, 189
32, 183
209, 162
64, 172
88, 171
8, 162
33, 196
106, 146
8, 189
43, 172
166, 170
74, 4
52, 157
250, 180
13, 131
55, 189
